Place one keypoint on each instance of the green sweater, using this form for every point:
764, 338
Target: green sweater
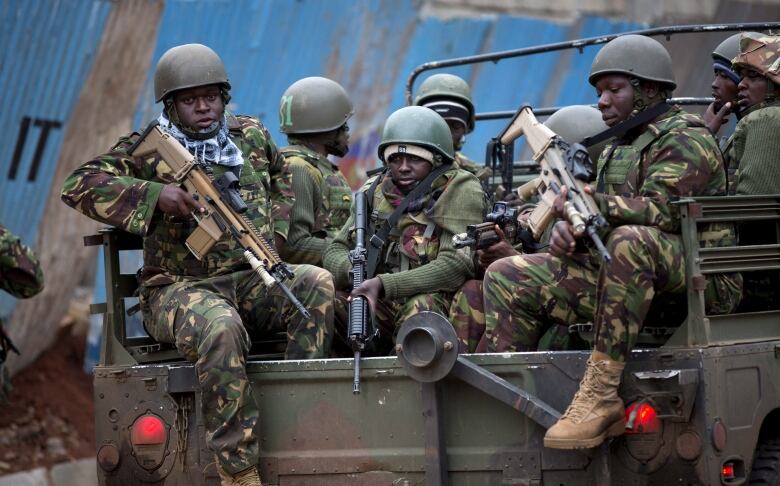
755, 150
433, 264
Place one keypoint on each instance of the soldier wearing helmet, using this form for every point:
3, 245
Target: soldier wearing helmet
415, 267
754, 149
467, 313
450, 96
208, 307
313, 112
668, 154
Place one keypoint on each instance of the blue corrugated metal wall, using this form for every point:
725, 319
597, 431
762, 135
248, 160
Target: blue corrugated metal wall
46, 51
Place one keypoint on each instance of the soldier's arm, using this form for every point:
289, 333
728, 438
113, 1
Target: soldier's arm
20, 270
336, 256
302, 245
115, 189
680, 164
757, 172
282, 196
450, 268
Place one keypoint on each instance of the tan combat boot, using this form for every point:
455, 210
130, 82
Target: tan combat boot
596, 412
247, 477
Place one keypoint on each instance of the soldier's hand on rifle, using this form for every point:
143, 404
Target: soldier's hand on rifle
562, 240
714, 120
496, 251
371, 289
178, 202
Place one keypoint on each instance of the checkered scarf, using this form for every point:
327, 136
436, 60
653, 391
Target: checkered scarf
219, 149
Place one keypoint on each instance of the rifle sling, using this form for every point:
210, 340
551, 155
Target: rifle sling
377, 240
623, 127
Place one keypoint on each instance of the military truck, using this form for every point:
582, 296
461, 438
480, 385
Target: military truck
702, 395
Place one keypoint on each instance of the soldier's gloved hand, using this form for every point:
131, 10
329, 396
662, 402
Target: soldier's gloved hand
496, 251
178, 202
715, 120
371, 289
562, 240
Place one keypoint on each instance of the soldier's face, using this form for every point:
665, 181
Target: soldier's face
458, 131
199, 107
616, 98
406, 170
752, 88
724, 90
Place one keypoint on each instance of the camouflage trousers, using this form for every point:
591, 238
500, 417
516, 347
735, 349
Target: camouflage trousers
211, 320
388, 317
467, 315
525, 295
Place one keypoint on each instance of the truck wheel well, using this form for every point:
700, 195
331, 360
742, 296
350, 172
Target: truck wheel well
770, 428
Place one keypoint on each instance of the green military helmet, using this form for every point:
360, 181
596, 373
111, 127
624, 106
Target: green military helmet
417, 126
637, 56
760, 52
447, 86
188, 66
314, 105
576, 123
729, 48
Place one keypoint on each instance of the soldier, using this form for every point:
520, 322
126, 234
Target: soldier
314, 113
22, 277
414, 268
450, 96
670, 154
208, 308
753, 151
755, 148
467, 313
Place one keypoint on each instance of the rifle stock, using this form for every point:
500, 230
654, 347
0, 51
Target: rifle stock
220, 217
562, 165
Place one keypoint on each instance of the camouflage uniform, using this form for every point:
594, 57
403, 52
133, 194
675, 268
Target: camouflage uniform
419, 268
208, 308
322, 201
674, 157
20, 276
480, 171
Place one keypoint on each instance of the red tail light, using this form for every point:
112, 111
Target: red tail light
148, 430
728, 471
641, 418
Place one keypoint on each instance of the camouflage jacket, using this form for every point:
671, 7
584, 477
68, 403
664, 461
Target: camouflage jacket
322, 201
20, 271
753, 150
676, 156
419, 257
123, 191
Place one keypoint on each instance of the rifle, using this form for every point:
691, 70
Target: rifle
483, 235
224, 210
360, 332
562, 165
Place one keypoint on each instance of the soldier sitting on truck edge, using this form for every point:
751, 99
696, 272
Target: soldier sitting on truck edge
753, 152
208, 308
670, 154
313, 113
467, 313
22, 277
411, 263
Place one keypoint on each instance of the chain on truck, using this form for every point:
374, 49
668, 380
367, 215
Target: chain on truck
702, 392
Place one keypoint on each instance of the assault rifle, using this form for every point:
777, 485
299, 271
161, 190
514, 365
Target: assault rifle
224, 210
483, 235
562, 165
359, 316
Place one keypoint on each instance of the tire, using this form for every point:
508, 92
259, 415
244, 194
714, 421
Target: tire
766, 464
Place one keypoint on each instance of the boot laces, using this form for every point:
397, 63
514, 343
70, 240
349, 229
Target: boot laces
589, 392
